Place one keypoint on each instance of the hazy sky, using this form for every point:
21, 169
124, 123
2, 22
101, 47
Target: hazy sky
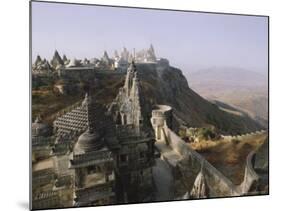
189, 40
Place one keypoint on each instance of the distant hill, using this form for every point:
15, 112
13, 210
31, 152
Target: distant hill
243, 89
228, 76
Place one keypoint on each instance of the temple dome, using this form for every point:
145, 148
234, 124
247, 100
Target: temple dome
87, 142
92, 138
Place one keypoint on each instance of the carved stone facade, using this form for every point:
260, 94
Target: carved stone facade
110, 154
126, 108
136, 154
92, 161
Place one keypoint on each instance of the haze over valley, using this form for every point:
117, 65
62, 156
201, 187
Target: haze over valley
243, 90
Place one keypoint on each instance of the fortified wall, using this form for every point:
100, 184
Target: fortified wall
221, 186
250, 177
187, 162
243, 136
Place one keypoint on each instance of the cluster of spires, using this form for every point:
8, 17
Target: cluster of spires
125, 56
55, 63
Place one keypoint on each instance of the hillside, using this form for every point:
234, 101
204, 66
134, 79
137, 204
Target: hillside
161, 85
242, 89
167, 85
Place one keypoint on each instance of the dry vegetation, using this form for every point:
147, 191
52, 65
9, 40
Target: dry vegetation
229, 156
46, 103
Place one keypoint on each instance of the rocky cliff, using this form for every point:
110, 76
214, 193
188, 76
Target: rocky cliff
162, 84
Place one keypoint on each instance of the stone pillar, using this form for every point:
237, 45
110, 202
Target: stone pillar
158, 133
122, 118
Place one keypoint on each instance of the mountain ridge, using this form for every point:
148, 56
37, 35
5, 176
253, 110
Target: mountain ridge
167, 85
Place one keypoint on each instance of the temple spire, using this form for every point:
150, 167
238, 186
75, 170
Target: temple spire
91, 108
129, 77
88, 102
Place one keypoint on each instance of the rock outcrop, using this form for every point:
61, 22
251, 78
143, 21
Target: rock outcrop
163, 84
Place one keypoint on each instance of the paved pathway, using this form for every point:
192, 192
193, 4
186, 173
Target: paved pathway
163, 180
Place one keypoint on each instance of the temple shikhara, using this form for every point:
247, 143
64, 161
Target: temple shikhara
95, 151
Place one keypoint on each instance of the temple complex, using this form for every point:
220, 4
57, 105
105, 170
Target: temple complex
63, 66
147, 56
92, 161
123, 151
108, 153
